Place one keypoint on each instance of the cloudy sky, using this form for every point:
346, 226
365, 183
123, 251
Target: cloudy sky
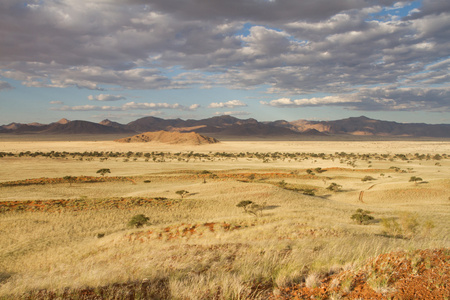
263, 59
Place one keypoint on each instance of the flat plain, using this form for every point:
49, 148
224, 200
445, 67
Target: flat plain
65, 228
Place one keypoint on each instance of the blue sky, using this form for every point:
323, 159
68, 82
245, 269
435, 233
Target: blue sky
268, 60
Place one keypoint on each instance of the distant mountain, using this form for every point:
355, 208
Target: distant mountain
366, 126
64, 126
223, 125
230, 126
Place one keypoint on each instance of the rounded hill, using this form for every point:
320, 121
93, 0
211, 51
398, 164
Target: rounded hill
190, 138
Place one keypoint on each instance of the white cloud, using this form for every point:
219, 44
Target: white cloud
106, 97
128, 106
56, 102
228, 104
328, 100
232, 113
299, 48
386, 98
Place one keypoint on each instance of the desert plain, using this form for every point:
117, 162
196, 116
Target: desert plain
255, 219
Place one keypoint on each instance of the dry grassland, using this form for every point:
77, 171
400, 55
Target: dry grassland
203, 246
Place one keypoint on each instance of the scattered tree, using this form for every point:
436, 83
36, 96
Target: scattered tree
362, 216
138, 221
182, 193
251, 207
415, 179
103, 171
244, 204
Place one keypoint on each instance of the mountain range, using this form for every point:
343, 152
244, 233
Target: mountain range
231, 126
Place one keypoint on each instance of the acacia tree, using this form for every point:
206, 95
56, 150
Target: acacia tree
103, 171
415, 179
182, 193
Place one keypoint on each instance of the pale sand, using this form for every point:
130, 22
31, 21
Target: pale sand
382, 147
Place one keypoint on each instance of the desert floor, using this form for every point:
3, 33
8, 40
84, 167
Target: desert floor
64, 227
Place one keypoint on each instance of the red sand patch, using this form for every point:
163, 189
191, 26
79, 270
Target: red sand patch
422, 274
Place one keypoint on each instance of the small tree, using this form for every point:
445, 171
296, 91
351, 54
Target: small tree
103, 171
244, 204
362, 216
251, 207
415, 179
182, 193
138, 221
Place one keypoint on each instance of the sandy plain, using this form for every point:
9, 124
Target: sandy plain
188, 244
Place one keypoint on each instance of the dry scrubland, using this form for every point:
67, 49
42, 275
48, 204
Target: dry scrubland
59, 233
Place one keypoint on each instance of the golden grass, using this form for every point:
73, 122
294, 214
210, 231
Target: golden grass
295, 238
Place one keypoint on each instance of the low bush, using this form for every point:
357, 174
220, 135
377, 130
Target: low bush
138, 221
367, 178
362, 217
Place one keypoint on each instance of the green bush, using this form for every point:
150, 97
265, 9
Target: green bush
138, 221
406, 227
362, 217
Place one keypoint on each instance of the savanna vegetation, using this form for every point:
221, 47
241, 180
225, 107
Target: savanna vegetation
217, 225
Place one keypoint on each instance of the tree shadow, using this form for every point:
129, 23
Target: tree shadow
270, 207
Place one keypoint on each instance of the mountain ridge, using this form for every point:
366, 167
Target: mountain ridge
232, 126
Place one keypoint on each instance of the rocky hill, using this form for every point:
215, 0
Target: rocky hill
189, 138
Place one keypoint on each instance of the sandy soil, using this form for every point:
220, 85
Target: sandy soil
10, 144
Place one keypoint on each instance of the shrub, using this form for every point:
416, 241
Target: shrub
70, 179
138, 221
409, 224
334, 187
282, 183
367, 178
391, 227
415, 179
362, 216
310, 172
405, 228
309, 192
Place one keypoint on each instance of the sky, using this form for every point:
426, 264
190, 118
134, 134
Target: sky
193, 59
